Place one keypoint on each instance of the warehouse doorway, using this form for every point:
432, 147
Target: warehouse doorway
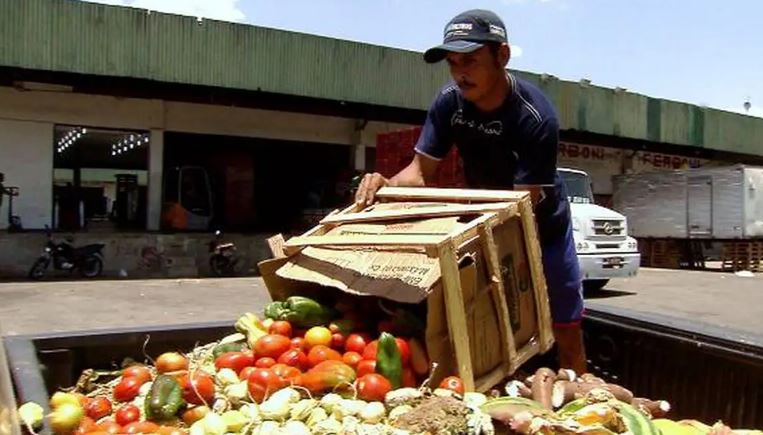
100, 178
256, 185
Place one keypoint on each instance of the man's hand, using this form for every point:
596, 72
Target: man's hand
371, 183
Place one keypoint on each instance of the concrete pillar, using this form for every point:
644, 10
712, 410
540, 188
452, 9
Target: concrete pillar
358, 147
360, 157
155, 170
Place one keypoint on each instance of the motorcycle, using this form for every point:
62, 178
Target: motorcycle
222, 259
87, 259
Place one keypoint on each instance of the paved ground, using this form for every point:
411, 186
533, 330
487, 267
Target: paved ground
718, 299
28, 308
714, 298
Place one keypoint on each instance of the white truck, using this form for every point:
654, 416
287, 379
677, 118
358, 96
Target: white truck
601, 235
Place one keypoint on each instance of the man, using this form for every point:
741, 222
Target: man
507, 134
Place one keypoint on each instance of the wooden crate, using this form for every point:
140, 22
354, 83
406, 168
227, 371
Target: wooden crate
742, 255
473, 325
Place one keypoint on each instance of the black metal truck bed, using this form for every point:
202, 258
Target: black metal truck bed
704, 376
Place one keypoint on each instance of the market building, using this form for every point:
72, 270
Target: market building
147, 130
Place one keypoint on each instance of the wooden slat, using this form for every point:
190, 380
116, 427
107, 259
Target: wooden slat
455, 311
461, 235
536, 271
427, 193
528, 351
471, 230
296, 243
490, 380
424, 212
322, 229
490, 252
275, 244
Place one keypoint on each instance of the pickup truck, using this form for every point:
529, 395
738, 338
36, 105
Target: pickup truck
601, 235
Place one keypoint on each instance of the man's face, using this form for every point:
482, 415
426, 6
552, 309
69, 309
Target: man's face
478, 72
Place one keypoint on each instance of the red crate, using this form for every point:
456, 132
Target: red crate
395, 150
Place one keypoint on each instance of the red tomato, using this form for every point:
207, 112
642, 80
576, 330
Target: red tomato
298, 343
127, 414
127, 389
385, 326
285, 372
355, 343
351, 359
198, 390
373, 387
111, 427
83, 400
86, 425
295, 358
141, 427
265, 362
138, 371
370, 351
272, 346
320, 353
244, 375
98, 408
366, 367
337, 341
263, 382
453, 383
236, 361
171, 362
281, 327
405, 351
409, 378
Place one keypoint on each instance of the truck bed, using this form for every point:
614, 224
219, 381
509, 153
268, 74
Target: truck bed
705, 377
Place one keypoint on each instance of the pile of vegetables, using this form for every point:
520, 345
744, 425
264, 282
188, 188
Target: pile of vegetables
561, 402
310, 368
305, 368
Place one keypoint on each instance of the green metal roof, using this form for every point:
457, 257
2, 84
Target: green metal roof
78, 37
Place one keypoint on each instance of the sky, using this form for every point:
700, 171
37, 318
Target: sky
705, 52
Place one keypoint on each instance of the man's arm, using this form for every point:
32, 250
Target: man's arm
420, 172
537, 163
432, 146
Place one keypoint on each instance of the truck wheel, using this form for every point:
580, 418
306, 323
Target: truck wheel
592, 285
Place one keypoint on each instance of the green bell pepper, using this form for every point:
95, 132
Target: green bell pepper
300, 311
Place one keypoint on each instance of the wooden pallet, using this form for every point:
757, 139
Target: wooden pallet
661, 253
742, 255
467, 315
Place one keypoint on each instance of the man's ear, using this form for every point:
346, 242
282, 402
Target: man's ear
504, 54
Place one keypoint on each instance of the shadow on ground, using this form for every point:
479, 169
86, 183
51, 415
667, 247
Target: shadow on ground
607, 293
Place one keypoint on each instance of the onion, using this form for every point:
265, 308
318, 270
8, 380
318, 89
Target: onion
66, 418
59, 398
31, 414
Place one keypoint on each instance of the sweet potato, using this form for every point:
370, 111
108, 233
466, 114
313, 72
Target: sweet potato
542, 387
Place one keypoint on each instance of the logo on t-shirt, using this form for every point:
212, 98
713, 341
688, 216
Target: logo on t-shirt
493, 128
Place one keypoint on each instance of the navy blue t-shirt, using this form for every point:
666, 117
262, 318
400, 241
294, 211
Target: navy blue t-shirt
515, 144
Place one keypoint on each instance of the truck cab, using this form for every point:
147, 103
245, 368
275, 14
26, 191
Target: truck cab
601, 235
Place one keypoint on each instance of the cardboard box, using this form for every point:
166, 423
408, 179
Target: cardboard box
471, 257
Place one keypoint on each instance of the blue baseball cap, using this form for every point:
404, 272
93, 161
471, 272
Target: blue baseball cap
468, 32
